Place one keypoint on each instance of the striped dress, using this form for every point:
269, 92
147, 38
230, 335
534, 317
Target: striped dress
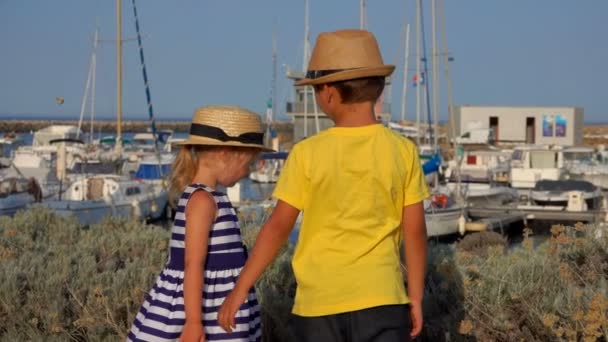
162, 317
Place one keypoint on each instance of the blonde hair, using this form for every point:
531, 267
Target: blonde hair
186, 163
183, 171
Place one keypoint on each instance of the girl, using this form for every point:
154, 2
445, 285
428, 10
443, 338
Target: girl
206, 252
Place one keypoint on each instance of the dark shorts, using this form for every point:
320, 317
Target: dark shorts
389, 323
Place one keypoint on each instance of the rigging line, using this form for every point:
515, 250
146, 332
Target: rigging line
148, 96
426, 75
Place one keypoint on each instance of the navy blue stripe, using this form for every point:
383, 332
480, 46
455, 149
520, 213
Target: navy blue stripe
168, 292
179, 223
226, 218
225, 246
171, 279
226, 336
221, 261
224, 205
161, 319
156, 332
178, 237
220, 280
225, 232
132, 337
167, 306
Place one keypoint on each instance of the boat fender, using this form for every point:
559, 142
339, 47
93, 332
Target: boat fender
136, 212
462, 225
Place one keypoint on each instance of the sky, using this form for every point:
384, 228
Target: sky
513, 53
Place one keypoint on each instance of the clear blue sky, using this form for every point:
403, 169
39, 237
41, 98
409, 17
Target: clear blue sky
518, 52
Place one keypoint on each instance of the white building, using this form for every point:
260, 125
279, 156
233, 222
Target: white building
523, 125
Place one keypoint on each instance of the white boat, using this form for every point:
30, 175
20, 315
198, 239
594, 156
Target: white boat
268, 168
558, 193
91, 199
484, 194
443, 215
530, 164
480, 165
585, 163
16, 194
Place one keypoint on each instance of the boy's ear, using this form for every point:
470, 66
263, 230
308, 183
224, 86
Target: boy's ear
333, 95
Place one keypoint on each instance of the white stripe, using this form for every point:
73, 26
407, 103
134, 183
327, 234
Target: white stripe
219, 330
224, 239
224, 225
225, 211
163, 312
177, 244
173, 273
166, 299
219, 287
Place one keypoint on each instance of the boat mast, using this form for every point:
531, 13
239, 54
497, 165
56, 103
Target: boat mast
305, 66
362, 21
435, 72
451, 123
90, 77
270, 105
118, 146
94, 62
418, 57
405, 65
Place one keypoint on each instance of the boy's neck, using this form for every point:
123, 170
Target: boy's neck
355, 115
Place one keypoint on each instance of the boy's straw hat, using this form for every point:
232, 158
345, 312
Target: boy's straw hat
345, 55
226, 126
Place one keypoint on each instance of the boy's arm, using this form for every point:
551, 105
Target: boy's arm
271, 238
415, 246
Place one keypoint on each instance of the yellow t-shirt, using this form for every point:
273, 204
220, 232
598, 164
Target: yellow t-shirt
351, 185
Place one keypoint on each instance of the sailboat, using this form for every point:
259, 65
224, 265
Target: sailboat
445, 211
93, 197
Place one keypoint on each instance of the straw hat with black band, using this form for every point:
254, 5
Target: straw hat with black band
226, 126
345, 55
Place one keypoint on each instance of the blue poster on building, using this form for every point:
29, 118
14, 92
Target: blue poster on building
561, 124
547, 126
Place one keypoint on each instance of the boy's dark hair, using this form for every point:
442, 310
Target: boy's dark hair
360, 90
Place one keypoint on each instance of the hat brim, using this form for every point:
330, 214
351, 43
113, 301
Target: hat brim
212, 142
352, 74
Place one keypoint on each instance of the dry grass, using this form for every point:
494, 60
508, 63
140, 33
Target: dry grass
62, 282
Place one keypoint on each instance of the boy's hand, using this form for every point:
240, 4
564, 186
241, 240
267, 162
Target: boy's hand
193, 332
416, 317
228, 310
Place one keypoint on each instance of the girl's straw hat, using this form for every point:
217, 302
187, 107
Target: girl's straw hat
226, 126
345, 55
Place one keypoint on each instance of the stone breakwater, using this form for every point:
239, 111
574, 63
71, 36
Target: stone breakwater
26, 126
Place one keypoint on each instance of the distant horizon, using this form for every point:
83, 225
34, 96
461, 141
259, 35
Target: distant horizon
143, 117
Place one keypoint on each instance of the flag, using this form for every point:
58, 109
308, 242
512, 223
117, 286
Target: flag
418, 80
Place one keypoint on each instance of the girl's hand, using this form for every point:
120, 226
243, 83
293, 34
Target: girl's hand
193, 332
229, 308
416, 317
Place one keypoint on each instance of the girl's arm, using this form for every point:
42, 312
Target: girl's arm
414, 244
268, 243
200, 213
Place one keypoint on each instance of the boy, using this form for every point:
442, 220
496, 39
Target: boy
360, 188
